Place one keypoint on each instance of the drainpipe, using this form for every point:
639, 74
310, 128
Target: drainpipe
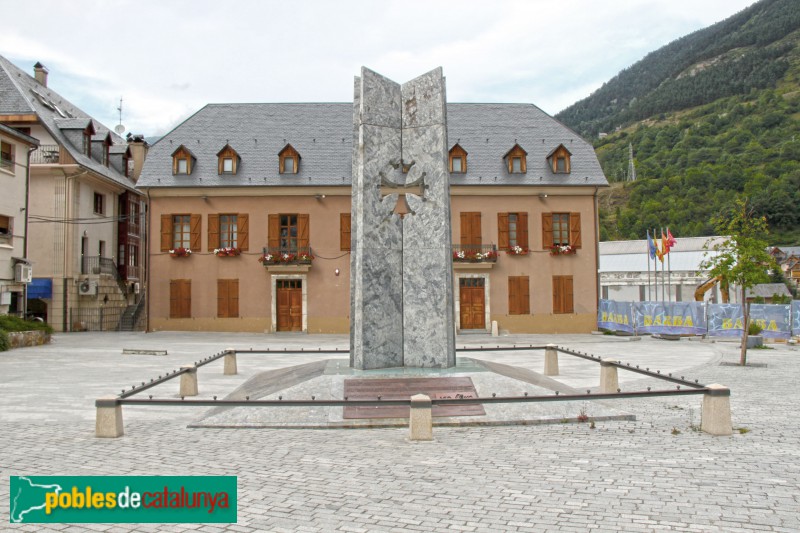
596, 250
147, 264
25, 239
67, 216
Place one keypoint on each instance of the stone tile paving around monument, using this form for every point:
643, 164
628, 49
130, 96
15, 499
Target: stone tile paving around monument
655, 474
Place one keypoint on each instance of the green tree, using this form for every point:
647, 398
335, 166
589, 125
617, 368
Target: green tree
741, 258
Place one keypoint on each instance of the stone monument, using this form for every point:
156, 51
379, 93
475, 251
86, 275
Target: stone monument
401, 266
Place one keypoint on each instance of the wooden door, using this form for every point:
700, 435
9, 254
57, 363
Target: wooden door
289, 300
472, 303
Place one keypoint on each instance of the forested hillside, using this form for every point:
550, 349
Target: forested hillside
711, 117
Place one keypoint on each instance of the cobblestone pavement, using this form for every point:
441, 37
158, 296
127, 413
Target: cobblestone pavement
655, 474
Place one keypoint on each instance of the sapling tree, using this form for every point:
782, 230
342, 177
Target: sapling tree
741, 259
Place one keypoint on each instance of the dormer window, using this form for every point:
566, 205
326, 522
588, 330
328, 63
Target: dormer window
516, 160
559, 160
458, 160
182, 161
227, 160
288, 160
87, 139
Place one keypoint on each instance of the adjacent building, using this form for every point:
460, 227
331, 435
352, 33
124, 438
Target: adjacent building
628, 275
15, 269
85, 238
249, 206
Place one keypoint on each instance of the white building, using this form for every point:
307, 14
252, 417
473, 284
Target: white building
627, 273
15, 148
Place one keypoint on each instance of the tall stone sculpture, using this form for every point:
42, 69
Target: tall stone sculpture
401, 270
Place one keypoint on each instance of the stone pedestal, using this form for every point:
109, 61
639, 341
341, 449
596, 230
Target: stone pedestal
189, 381
229, 361
401, 267
550, 360
420, 420
609, 379
716, 413
108, 421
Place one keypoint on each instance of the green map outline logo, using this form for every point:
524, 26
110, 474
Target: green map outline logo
123, 499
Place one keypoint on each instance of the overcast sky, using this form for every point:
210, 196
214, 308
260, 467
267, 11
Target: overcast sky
166, 58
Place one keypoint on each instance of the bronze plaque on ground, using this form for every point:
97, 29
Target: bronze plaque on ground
405, 388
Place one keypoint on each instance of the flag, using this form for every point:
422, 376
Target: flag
659, 251
670, 239
665, 246
651, 247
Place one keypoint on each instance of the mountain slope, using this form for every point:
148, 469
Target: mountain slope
723, 123
731, 57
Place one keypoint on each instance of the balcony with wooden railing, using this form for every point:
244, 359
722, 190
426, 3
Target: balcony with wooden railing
51, 154
474, 255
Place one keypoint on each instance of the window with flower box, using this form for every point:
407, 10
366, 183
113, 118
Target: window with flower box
561, 229
513, 231
288, 233
180, 231
229, 231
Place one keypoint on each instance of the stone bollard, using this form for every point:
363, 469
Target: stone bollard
495, 329
188, 381
715, 418
550, 360
230, 363
420, 421
108, 422
609, 379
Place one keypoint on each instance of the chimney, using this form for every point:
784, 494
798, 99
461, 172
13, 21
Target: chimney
139, 148
40, 73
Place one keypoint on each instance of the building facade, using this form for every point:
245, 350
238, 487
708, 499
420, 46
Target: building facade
626, 275
249, 206
85, 217
15, 269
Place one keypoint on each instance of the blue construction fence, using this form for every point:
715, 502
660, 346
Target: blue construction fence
698, 318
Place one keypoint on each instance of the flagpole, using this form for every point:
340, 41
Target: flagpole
649, 287
669, 269
663, 281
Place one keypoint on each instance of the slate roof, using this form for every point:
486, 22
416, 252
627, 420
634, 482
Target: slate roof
766, 290
323, 135
18, 96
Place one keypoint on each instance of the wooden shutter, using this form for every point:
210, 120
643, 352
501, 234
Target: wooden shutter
166, 233
575, 230
547, 230
243, 222
522, 230
195, 245
273, 231
502, 231
302, 231
344, 232
519, 295
227, 298
213, 232
222, 298
180, 298
470, 229
563, 295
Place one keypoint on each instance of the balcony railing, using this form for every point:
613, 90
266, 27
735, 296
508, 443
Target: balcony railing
98, 265
474, 253
287, 256
50, 154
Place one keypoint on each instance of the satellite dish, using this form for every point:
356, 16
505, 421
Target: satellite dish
119, 128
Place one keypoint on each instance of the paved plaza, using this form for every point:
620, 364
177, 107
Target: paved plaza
657, 473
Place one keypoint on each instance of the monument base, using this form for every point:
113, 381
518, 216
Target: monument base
327, 379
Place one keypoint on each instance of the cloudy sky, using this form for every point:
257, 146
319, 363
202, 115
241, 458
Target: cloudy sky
167, 58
